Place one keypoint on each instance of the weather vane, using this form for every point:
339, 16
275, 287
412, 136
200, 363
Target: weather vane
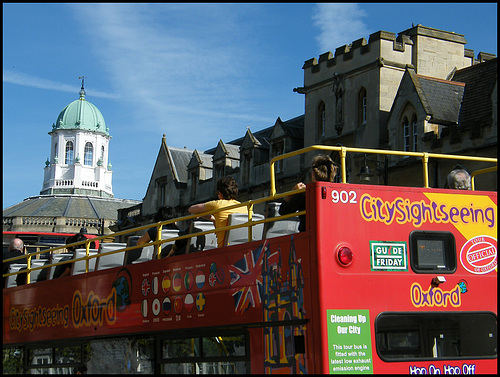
83, 80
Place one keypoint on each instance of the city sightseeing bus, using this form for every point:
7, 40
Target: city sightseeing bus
385, 279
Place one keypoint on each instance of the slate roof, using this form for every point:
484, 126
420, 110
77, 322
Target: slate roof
295, 127
69, 206
440, 98
180, 161
479, 79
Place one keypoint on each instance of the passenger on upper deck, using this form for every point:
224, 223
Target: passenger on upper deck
227, 194
322, 169
164, 213
16, 248
64, 269
459, 179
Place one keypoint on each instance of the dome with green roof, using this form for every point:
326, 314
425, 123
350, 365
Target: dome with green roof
81, 115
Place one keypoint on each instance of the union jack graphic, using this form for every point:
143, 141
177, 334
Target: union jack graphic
145, 287
246, 279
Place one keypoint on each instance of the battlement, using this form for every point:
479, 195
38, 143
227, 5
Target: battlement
384, 46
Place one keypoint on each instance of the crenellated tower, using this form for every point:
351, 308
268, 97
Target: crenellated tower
349, 94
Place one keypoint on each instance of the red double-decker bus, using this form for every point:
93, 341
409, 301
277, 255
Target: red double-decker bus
385, 279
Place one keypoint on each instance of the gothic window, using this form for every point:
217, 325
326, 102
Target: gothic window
362, 107
162, 192
410, 134
406, 134
278, 150
69, 153
88, 154
414, 132
321, 119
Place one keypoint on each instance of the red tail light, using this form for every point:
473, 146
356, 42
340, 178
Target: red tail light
344, 256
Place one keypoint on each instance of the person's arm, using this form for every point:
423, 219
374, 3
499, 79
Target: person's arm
144, 239
200, 208
292, 202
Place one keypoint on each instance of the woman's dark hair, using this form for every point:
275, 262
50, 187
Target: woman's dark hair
165, 213
324, 168
228, 187
75, 238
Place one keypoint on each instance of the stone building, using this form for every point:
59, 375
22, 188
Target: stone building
421, 90
77, 188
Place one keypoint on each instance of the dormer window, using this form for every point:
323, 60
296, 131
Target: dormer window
247, 157
278, 150
219, 171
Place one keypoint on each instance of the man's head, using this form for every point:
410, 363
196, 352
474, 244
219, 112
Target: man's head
16, 244
459, 179
165, 213
228, 188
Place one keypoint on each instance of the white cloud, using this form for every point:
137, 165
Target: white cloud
176, 63
19, 78
339, 24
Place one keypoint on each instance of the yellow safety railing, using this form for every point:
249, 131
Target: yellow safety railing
249, 204
343, 154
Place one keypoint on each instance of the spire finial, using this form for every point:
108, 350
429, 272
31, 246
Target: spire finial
82, 90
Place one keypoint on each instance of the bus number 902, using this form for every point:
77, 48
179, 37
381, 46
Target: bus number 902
344, 197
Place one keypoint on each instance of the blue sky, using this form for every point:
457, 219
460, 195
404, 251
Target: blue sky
195, 72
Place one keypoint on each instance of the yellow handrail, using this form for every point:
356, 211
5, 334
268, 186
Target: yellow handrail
343, 153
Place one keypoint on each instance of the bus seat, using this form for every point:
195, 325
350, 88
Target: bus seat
11, 280
36, 263
240, 235
56, 258
279, 227
201, 242
78, 267
139, 255
113, 260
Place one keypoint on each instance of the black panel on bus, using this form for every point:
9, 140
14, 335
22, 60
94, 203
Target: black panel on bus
432, 252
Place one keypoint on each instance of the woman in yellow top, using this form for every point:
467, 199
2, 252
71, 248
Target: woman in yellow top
227, 194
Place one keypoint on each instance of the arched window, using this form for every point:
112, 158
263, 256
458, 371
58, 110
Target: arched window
406, 135
88, 154
321, 119
102, 153
69, 153
410, 134
362, 107
414, 132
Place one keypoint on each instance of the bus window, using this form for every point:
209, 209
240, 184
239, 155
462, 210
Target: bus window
435, 335
226, 354
432, 252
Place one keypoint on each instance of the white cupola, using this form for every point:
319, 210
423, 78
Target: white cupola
78, 162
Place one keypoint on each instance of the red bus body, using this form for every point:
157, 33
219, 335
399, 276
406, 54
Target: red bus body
304, 311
